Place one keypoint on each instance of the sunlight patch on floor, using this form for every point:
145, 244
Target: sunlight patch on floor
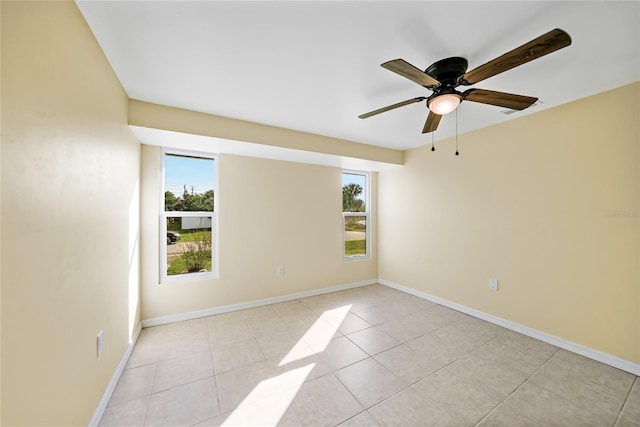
319, 335
254, 411
268, 402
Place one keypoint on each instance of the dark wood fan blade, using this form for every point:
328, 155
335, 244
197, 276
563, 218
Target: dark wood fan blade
402, 67
500, 99
536, 48
433, 120
392, 107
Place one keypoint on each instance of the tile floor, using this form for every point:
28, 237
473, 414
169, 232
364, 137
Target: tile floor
370, 356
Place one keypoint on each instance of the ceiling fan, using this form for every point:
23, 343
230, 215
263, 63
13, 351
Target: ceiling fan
444, 76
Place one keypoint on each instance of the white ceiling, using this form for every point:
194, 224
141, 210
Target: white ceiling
315, 66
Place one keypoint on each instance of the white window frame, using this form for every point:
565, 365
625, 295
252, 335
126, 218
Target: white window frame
366, 214
213, 274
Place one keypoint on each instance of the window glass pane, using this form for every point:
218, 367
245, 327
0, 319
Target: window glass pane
189, 245
353, 192
188, 183
355, 235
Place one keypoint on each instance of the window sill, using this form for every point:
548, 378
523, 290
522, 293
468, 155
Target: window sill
356, 258
189, 277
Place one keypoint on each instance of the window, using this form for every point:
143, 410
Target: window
188, 227
355, 215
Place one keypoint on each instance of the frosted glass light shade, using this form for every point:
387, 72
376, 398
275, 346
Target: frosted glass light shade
444, 104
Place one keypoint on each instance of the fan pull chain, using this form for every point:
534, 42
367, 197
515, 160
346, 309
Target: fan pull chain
433, 144
457, 152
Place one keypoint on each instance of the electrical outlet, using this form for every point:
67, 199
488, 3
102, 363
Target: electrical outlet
493, 285
100, 343
280, 270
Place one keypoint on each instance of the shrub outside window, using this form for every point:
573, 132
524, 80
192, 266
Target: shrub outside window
188, 227
355, 215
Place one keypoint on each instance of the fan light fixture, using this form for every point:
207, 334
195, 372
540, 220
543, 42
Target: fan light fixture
445, 103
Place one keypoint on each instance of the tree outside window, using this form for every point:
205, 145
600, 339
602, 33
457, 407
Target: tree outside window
355, 215
189, 216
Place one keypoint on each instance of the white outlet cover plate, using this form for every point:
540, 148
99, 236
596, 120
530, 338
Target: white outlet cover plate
493, 284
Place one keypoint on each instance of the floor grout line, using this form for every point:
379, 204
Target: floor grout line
626, 400
526, 380
213, 365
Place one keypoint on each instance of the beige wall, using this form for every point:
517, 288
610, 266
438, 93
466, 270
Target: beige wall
532, 202
271, 213
156, 116
70, 170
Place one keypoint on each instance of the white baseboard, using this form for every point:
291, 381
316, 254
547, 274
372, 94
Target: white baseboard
156, 321
106, 396
591, 353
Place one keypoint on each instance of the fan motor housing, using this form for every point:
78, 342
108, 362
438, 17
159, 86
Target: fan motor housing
448, 70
